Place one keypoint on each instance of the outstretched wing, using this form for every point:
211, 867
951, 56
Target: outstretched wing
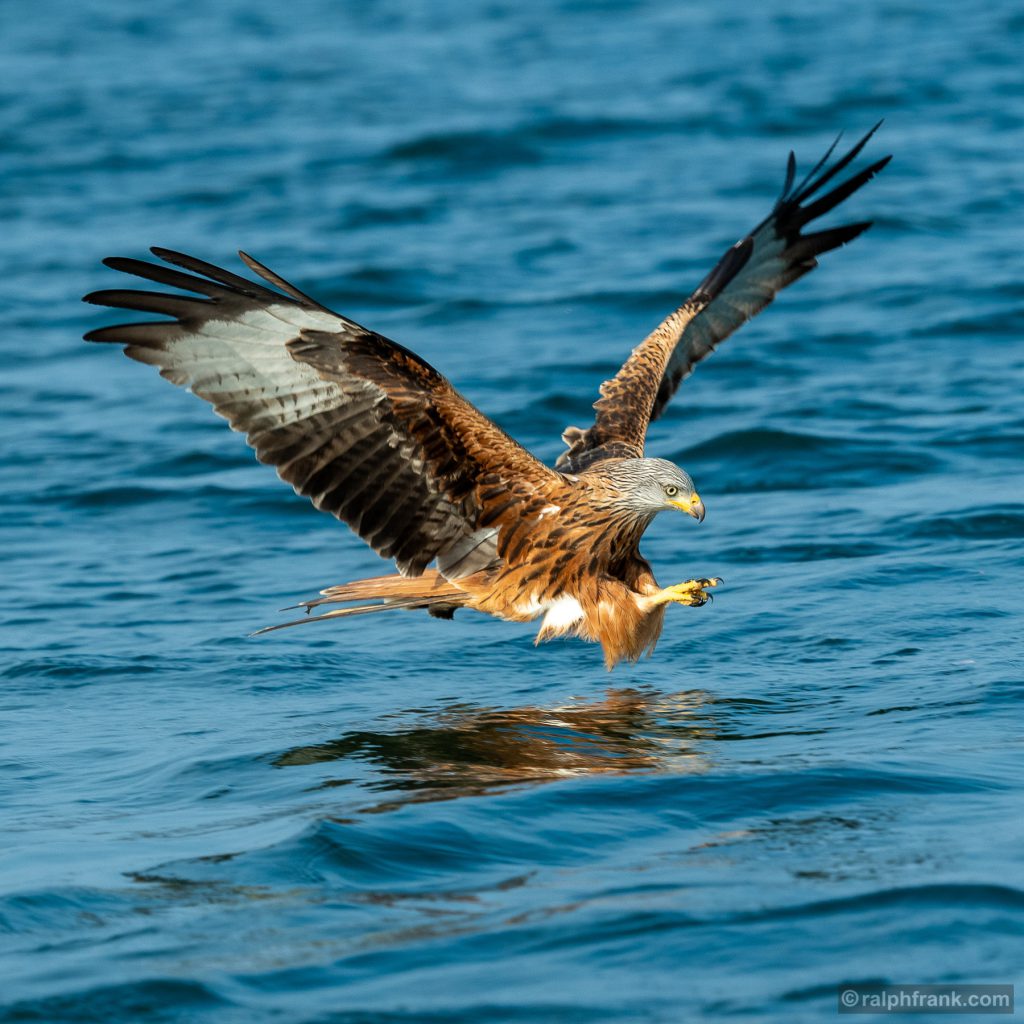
366, 429
778, 254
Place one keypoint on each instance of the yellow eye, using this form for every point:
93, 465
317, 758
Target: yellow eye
671, 491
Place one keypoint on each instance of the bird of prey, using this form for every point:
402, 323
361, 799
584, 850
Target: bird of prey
375, 436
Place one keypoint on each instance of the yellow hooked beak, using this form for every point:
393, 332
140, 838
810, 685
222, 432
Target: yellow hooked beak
694, 507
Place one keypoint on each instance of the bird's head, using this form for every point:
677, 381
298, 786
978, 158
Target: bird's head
650, 486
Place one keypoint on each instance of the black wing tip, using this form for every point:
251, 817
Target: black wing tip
294, 293
798, 216
107, 334
170, 255
866, 137
99, 298
879, 164
793, 209
820, 173
252, 263
864, 140
790, 174
809, 247
120, 262
855, 229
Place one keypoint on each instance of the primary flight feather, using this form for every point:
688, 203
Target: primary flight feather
377, 437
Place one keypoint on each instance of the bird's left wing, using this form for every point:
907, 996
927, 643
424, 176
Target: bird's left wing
775, 254
363, 427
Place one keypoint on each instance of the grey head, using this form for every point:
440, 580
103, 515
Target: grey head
650, 486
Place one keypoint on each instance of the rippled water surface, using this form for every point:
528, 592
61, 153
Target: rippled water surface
817, 778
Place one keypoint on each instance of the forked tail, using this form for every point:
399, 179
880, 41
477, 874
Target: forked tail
386, 593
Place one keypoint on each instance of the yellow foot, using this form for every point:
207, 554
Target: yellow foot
692, 592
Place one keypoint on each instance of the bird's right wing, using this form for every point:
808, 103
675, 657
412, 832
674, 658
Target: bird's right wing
363, 427
774, 255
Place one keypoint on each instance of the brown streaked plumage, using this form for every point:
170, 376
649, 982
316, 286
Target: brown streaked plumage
377, 437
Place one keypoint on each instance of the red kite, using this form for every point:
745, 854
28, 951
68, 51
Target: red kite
380, 439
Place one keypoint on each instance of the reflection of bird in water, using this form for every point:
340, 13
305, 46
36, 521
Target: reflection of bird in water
376, 436
462, 751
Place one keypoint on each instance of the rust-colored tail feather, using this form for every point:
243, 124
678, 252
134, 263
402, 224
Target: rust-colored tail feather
389, 593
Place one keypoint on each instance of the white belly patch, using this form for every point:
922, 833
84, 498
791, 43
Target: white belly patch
562, 613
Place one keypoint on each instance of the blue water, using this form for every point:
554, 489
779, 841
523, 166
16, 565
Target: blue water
818, 778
